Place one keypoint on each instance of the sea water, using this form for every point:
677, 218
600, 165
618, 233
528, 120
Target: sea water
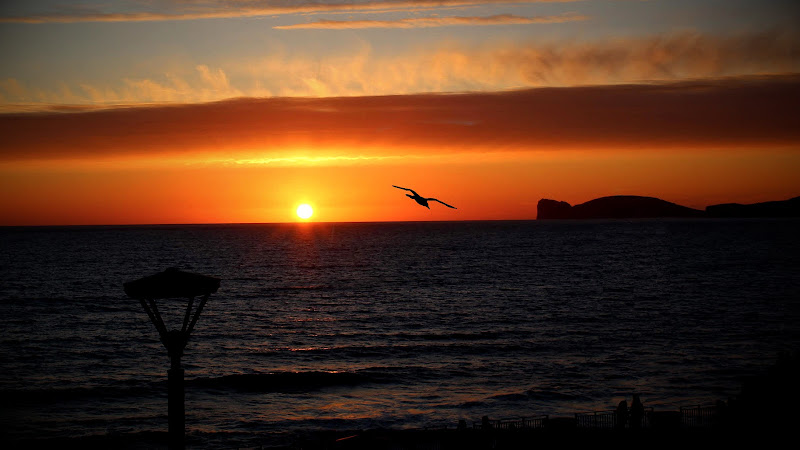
396, 325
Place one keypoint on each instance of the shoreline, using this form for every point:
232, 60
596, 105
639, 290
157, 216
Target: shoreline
438, 439
762, 413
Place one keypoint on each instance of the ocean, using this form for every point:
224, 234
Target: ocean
388, 325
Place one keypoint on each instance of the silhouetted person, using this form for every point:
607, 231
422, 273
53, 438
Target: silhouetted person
622, 414
720, 417
489, 439
637, 412
422, 200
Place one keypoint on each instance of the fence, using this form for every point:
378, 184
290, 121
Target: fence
596, 419
512, 424
690, 417
698, 416
607, 420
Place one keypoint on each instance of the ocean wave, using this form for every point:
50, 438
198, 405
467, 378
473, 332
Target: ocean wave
309, 287
46, 396
281, 381
404, 350
446, 336
545, 394
472, 404
552, 395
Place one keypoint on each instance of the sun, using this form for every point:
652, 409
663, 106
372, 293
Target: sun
304, 211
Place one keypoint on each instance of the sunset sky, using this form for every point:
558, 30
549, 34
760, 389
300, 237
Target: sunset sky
207, 111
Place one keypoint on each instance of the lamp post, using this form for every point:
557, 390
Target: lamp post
174, 284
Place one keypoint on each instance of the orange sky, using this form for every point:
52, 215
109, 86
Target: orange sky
488, 188
125, 112
491, 155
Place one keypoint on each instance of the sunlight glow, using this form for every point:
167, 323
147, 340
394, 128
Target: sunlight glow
304, 211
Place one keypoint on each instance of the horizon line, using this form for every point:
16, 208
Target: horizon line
300, 222
259, 223
201, 224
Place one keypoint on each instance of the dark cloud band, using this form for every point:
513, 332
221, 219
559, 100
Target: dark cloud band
752, 112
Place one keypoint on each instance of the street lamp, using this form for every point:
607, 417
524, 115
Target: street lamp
174, 284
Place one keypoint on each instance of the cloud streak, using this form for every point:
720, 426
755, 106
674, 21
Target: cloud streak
734, 113
429, 22
258, 8
446, 67
201, 84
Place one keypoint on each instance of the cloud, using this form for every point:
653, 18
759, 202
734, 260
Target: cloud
446, 67
202, 84
11, 87
251, 8
429, 22
666, 57
754, 112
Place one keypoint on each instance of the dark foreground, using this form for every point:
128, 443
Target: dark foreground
764, 413
476, 440
470, 439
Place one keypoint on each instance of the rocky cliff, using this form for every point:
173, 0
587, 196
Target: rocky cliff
615, 207
785, 208
637, 207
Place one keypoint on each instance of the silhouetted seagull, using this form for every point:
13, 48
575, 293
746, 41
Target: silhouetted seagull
422, 200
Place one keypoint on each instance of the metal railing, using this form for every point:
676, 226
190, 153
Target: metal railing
608, 420
690, 417
698, 416
522, 423
596, 419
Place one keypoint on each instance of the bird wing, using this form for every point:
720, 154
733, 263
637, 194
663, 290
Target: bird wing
437, 200
406, 189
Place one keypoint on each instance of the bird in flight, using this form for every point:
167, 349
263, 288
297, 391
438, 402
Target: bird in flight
422, 200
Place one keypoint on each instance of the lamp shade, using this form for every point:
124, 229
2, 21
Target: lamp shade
172, 283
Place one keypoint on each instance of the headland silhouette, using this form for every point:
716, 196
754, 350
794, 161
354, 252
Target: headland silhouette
638, 207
